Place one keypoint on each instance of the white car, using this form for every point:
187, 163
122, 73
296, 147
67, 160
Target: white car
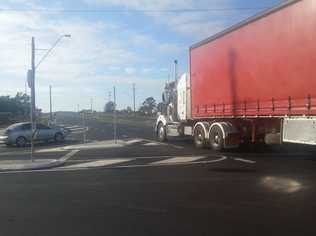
19, 134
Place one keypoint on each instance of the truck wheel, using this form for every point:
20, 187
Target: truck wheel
199, 137
20, 141
161, 133
216, 138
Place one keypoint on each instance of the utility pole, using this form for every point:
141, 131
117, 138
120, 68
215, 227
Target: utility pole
78, 108
33, 107
91, 104
50, 104
114, 115
134, 99
176, 70
84, 126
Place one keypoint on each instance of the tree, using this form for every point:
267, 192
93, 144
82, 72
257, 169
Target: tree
160, 107
109, 107
129, 109
148, 107
17, 106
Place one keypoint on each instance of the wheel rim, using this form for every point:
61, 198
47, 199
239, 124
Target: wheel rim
21, 142
199, 138
217, 139
161, 132
59, 137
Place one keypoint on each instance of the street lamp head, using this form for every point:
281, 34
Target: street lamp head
67, 35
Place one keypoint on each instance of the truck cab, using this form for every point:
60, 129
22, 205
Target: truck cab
176, 109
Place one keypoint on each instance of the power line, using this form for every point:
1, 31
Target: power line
74, 11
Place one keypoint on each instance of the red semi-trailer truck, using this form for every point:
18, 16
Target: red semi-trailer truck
254, 82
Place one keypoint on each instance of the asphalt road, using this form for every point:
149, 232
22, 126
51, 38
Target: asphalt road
159, 189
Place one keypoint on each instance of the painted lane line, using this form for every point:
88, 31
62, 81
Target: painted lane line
171, 164
63, 169
166, 144
15, 153
178, 160
50, 150
77, 132
100, 163
133, 141
72, 127
95, 145
76, 129
69, 155
244, 160
151, 144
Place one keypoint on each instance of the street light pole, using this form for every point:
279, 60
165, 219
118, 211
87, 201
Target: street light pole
32, 87
114, 115
32, 112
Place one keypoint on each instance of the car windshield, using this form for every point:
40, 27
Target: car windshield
14, 126
157, 117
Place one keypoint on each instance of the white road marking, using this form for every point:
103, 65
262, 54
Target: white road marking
69, 155
72, 127
14, 153
169, 144
77, 128
96, 145
173, 164
50, 150
134, 141
100, 163
77, 132
178, 160
244, 160
151, 144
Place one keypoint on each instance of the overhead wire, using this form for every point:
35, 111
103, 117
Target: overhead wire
81, 11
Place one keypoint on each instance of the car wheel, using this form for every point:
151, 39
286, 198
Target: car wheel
20, 142
59, 138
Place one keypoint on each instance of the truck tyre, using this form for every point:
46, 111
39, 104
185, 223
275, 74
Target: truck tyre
20, 141
59, 137
199, 137
216, 138
161, 133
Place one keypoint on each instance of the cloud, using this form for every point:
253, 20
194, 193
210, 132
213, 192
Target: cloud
194, 24
72, 67
103, 51
145, 4
148, 42
130, 70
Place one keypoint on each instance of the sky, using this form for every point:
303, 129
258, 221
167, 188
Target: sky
113, 43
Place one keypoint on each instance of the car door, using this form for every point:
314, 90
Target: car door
24, 131
44, 132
